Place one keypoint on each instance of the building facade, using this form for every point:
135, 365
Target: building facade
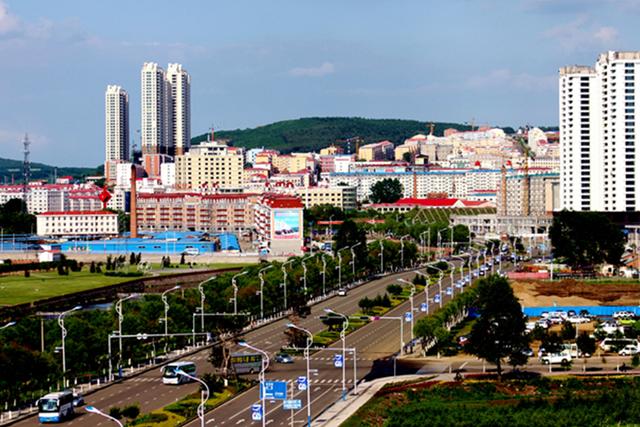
75, 223
341, 197
210, 165
116, 129
279, 223
154, 109
179, 82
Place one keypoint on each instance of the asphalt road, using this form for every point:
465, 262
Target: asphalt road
148, 391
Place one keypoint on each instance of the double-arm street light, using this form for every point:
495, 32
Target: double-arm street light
118, 308
381, 256
324, 275
343, 337
63, 332
353, 261
402, 250
440, 276
265, 365
284, 280
261, 276
307, 358
426, 288
234, 284
202, 298
339, 267
413, 292
166, 314
204, 395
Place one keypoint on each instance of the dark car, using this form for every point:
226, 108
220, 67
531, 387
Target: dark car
283, 358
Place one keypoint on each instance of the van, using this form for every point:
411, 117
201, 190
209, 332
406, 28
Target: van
615, 344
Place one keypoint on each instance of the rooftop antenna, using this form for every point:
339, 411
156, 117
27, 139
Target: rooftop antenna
26, 170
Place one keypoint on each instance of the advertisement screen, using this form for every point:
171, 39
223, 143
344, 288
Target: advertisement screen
286, 224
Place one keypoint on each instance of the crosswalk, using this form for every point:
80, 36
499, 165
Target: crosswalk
313, 381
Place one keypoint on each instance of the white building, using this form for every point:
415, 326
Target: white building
179, 82
75, 223
168, 174
116, 128
600, 165
155, 105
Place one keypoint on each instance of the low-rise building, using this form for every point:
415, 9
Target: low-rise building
279, 224
77, 223
340, 197
210, 165
382, 150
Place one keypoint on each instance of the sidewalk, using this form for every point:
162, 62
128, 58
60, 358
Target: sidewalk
341, 410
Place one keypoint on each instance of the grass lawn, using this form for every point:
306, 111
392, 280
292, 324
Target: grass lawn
19, 289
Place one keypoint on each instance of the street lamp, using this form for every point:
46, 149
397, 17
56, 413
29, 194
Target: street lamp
451, 279
166, 313
262, 289
202, 298
343, 337
306, 356
304, 273
118, 308
402, 250
265, 365
284, 280
96, 411
204, 395
426, 288
235, 291
439, 283
64, 335
324, 276
353, 261
381, 256
339, 267
7, 325
461, 265
331, 224
413, 291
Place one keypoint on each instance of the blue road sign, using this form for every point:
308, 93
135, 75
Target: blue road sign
302, 383
256, 412
292, 404
423, 307
448, 292
274, 390
408, 316
337, 360
436, 298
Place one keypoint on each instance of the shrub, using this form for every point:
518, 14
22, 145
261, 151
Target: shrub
152, 418
394, 289
131, 412
115, 412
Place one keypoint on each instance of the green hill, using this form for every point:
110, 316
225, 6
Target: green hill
311, 134
9, 168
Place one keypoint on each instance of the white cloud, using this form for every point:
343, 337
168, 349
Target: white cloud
8, 22
581, 34
320, 71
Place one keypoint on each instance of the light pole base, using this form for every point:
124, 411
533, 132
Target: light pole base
308, 421
344, 394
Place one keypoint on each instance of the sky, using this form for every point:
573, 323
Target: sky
254, 62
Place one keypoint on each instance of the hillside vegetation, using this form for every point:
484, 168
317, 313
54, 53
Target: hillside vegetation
9, 168
311, 134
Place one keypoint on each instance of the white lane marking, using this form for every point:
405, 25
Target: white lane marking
240, 421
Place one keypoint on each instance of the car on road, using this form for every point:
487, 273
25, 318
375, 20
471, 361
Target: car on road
623, 314
556, 358
283, 358
78, 400
342, 292
629, 350
578, 319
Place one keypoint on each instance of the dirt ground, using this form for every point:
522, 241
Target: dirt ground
532, 293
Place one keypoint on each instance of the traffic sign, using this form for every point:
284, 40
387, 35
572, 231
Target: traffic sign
436, 298
292, 404
423, 307
337, 360
274, 390
302, 383
256, 412
408, 316
448, 291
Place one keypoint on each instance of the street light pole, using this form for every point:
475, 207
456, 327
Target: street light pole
343, 337
7, 325
402, 250
204, 396
340, 266
381, 256
413, 291
324, 275
265, 365
353, 261
202, 298
118, 308
166, 314
262, 289
426, 288
284, 281
234, 284
96, 411
64, 335
307, 358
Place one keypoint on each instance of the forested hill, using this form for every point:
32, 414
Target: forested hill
9, 168
312, 134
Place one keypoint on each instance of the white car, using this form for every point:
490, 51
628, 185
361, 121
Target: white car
555, 358
342, 292
629, 350
623, 314
610, 327
578, 319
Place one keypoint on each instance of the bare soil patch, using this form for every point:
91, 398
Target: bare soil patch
539, 293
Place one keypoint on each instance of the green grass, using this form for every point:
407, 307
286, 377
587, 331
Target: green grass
214, 266
19, 289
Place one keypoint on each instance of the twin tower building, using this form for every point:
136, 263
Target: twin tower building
165, 128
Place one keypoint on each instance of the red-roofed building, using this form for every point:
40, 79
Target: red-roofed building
77, 223
407, 204
279, 223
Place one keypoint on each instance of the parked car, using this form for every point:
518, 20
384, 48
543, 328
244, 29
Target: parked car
556, 358
527, 352
623, 314
283, 358
629, 350
78, 400
578, 319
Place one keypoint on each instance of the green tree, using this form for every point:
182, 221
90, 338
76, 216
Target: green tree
388, 190
349, 234
394, 289
500, 329
568, 331
586, 344
586, 238
14, 218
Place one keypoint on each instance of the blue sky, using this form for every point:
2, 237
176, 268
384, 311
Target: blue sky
256, 62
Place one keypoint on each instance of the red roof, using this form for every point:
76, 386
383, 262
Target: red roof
275, 200
78, 213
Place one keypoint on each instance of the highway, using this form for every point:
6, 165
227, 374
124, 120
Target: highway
148, 391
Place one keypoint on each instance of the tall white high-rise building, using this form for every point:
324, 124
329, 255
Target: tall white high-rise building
116, 132
179, 83
154, 111
600, 159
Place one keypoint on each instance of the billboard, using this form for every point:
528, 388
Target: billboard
286, 224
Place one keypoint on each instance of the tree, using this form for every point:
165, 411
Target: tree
586, 238
586, 344
365, 304
349, 234
394, 289
500, 330
15, 219
388, 190
568, 331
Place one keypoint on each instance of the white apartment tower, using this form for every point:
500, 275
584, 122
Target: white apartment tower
154, 114
600, 159
116, 132
179, 83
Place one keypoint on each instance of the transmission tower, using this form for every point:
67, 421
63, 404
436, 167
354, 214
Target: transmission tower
26, 170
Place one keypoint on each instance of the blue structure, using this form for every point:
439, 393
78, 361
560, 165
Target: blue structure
595, 310
158, 243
